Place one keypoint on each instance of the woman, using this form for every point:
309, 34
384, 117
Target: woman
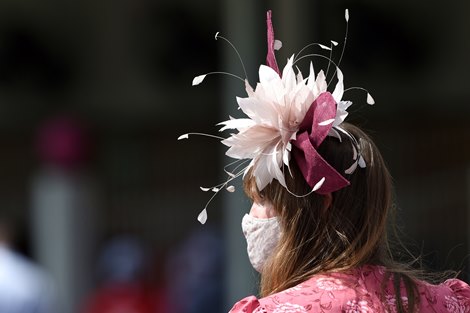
317, 230
332, 254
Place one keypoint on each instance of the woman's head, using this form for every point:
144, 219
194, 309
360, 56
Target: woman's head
337, 231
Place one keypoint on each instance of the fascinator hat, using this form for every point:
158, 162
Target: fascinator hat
288, 116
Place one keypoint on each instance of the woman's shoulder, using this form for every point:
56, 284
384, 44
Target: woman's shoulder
246, 305
357, 291
453, 295
458, 287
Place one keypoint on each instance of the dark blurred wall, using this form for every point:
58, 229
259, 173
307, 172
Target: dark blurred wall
125, 69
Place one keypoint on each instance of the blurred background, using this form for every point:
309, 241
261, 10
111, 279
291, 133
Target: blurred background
98, 200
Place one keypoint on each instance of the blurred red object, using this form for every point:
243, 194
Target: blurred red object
127, 298
63, 141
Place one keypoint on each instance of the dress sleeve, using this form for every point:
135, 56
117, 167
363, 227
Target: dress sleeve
246, 305
459, 287
460, 300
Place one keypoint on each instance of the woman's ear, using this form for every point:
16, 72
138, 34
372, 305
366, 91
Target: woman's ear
327, 200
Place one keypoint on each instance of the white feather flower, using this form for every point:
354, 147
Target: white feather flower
275, 109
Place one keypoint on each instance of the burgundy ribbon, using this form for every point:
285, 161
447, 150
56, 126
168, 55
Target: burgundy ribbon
309, 137
311, 134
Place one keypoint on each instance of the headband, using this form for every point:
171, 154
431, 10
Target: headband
287, 116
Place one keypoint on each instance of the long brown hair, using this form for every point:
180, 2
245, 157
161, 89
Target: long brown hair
349, 232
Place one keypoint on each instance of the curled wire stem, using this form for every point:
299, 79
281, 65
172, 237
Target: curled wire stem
236, 51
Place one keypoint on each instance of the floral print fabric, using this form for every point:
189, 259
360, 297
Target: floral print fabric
358, 291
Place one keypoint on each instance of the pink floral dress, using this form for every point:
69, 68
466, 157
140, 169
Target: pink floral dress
358, 291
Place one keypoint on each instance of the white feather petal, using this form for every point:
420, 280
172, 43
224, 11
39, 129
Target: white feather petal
362, 163
249, 90
344, 105
202, 217
327, 122
311, 78
319, 184
239, 123
339, 89
289, 145
354, 152
370, 100
231, 188
198, 79
184, 136
261, 174
267, 74
320, 84
334, 133
343, 131
300, 78
351, 169
288, 75
230, 174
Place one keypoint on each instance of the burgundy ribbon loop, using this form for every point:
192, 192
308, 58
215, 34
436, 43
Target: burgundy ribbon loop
309, 137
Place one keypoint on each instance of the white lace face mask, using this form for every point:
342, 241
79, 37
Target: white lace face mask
262, 236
